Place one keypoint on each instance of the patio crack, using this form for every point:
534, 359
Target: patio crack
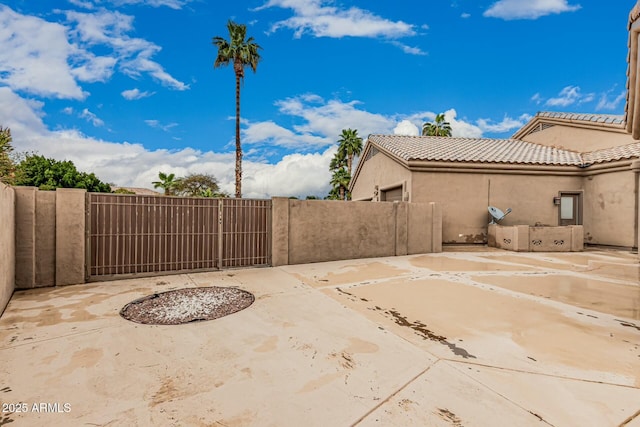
382, 402
631, 418
523, 371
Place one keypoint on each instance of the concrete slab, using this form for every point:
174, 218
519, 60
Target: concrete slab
444, 397
574, 403
458, 338
294, 356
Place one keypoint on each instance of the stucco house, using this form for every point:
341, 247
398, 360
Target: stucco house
558, 169
541, 173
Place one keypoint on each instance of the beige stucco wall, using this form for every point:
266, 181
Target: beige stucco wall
70, 236
7, 245
579, 139
609, 209
380, 168
464, 198
316, 230
50, 237
25, 217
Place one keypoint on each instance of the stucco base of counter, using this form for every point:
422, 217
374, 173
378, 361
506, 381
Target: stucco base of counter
524, 238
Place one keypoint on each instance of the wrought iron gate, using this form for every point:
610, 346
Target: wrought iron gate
134, 234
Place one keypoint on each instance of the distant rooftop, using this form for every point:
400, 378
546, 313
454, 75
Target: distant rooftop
593, 118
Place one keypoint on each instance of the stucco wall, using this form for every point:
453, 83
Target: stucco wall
609, 209
7, 245
464, 198
50, 240
316, 231
379, 168
578, 139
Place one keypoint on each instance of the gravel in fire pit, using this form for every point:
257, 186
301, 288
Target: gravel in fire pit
187, 305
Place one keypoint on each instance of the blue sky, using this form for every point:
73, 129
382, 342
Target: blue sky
127, 88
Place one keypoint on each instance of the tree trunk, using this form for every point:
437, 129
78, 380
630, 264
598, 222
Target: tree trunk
238, 145
342, 193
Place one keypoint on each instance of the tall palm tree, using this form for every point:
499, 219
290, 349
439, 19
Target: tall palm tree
167, 182
340, 180
241, 52
439, 127
350, 145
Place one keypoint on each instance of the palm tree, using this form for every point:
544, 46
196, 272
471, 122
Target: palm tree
168, 183
350, 145
439, 127
340, 180
241, 52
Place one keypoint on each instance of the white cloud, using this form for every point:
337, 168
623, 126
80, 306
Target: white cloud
34, 56
321, 123
567, 96
133, 55
606, 104
303, 173
461, 128
173, 4
133, 94
50, 59
405, 127
91, 118
409, 49
128, 164
157, 125
81, 3
537, 98
528, 9
465, 15
319, 19
507, 124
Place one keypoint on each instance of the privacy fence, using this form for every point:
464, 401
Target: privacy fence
149, 234
70, 236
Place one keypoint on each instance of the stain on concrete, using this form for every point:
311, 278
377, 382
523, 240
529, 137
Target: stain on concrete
446, 263
270, 344
628, 324
5, 419
320, 382
598, 295
421, 329
356, 345
449, 417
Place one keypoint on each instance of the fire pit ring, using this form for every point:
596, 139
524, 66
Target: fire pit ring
187, 305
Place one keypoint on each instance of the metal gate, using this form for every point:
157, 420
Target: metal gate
132, 234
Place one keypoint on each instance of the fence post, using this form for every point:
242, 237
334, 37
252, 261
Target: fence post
279, 231
220, 232
70, 236
25, 220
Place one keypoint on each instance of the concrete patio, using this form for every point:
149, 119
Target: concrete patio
462, 338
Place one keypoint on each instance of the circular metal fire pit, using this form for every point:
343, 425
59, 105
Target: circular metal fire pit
187, 305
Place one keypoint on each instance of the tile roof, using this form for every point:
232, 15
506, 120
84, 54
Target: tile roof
485, 150
592, 118
613, 153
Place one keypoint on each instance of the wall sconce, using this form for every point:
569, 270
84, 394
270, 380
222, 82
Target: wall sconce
556, 200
